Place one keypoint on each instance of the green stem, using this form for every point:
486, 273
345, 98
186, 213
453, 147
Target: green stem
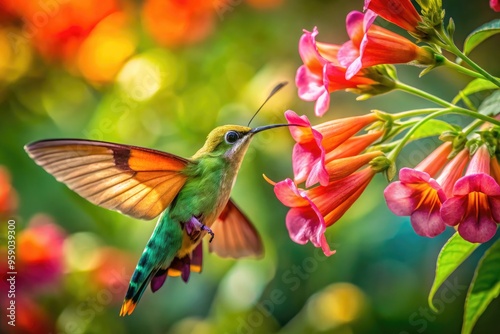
472, 126
414, 112
466, 112
462, 69
450, 46
400, 128
394, 153
392, 156
417, 92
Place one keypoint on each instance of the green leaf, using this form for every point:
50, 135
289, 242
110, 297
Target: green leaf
491, 105
484, 288
475, 86
433, 127
480, 34
455, 251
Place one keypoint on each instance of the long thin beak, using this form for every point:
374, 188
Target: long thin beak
272, 126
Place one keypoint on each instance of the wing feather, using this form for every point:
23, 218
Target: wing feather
135, 181
235, 236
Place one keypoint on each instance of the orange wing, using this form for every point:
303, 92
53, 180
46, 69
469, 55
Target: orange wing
235, 236
135, 181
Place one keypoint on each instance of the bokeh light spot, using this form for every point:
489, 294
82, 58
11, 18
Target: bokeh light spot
244, 283
142, 76
337, 304
15, 55
82, 251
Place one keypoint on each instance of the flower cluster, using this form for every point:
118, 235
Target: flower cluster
329, 154
456, 185
351, 66
469, 202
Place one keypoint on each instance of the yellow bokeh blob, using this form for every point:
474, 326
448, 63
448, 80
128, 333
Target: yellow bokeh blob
337, 304
108, 47
15, 55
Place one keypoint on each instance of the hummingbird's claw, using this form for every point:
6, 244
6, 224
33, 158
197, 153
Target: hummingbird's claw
195, 225
209, 231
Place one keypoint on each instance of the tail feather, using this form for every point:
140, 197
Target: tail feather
159, 252
127, 307
134, 293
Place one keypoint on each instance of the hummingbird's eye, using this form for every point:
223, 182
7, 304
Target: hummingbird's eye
231, 137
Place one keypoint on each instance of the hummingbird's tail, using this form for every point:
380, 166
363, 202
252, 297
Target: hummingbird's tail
159, 252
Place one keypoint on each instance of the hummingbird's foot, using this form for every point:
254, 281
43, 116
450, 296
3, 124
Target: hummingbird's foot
194, 225
209, 231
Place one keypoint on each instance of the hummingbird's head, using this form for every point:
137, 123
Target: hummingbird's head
231, 141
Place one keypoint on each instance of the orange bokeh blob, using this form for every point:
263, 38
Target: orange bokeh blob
103, 53
178, 22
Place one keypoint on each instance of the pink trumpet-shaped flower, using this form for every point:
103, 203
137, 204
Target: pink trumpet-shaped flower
314, 143
322, 73
313, 210
400, 12
418, 195
475, 204
371, 45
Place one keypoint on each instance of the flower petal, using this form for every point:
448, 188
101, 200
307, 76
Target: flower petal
354, 26
308, 164
303, 133
400, 12
310, 86
473, 229
304, 225
427, 221
288, 194
309, 53
453, 210
476, 183
400, 198
348, 52
322, 103
325, 247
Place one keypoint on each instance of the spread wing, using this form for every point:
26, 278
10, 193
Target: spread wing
235, 236
135, 181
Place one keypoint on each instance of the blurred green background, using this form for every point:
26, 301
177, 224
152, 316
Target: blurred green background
162, 74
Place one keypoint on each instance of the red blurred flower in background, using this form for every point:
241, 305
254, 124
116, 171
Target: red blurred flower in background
8, 195
112, 271
40, 265
40, 257
59, 28
495, 5
7, 10
92, 36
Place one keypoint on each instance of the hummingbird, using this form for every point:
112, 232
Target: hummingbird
190, 196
